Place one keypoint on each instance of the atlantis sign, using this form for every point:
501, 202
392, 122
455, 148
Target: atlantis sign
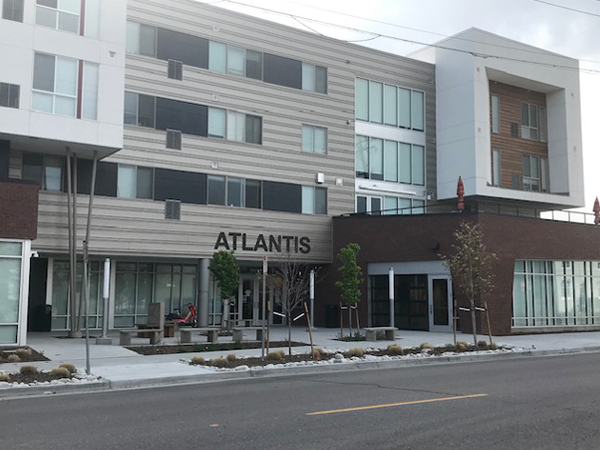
267, 243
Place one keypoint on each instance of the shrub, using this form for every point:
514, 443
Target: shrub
28, 370
23, 352
4, 377
60, 372
231, 357
276, 356
219, 362
394, 350
317, 353
13, 358
482, 345
493, 346
70, 367
198, 361
461, 346
426, 346
358, 352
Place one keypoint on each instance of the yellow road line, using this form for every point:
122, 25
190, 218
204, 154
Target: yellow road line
389, 405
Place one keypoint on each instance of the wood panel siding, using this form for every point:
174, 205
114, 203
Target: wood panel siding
512, 148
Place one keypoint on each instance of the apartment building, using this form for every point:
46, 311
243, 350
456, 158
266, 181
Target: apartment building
205, 129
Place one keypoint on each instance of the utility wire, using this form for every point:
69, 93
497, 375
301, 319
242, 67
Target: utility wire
567, 8
407, 28
377, 35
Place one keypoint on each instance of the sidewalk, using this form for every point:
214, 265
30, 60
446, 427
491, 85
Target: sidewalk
123, 368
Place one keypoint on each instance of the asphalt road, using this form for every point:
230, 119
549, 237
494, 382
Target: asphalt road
533, 403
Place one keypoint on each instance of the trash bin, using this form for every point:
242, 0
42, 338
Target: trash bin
41, 318
332, 316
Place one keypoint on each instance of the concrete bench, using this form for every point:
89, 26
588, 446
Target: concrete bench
154, 334
371, 333
238, 333
153, 329
185, 335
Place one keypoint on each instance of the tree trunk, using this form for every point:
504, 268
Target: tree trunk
350, 320
473, 321
289, 319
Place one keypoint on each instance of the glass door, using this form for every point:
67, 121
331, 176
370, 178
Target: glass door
440, 304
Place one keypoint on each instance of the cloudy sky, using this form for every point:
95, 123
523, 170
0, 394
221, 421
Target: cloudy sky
569, 27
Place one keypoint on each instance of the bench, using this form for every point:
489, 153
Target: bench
238, 333
185, 336
153, 329
371, 333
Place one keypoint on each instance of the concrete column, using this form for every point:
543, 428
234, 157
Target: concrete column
202, 280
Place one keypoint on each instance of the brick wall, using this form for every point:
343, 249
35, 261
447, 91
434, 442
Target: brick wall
18, 210
513, 148
424, 237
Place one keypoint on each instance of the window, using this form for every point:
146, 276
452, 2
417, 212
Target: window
189, 187
495, 114
253, 129
217, 122
389, 105
496, 177
135, 182
12, 10
175, 70
236, 58
59, 14
216, 190
402, 206
9, 95
377, 159
46, 171
190, 118
139, 110
314, 200
282, 71
89, 106
235, 192
253, 198
55, 84
366, 204
141, 39
362, 99
390, 113
535, 173
285, 197
217, 57
190, 50
314, 78
531, 122
254, 65
314, 139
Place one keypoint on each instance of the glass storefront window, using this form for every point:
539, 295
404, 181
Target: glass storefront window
10, 290
556, 293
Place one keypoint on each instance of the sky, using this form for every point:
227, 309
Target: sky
568, 27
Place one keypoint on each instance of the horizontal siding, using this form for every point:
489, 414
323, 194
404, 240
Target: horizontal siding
137, 228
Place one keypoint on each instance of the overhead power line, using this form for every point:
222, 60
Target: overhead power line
567, 8
374, 35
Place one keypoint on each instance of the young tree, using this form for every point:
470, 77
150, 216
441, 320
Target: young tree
471, 266
292, 282
226, 272
351, 278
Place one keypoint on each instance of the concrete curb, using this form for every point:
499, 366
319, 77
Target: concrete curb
53, 389
347, 366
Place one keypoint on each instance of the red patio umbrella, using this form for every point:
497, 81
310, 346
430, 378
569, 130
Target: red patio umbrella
596, 210
460, 193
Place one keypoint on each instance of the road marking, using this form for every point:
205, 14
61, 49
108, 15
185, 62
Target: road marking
214, 425
390, 405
